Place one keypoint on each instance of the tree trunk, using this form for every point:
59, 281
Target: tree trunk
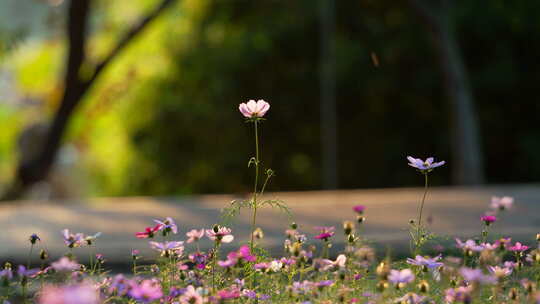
467, 162
327, 87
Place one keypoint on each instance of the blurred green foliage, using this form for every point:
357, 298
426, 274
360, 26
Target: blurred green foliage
163, 119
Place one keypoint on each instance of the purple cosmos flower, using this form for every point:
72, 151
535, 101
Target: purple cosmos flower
325, 233
6, 273
147, 291
501, 203
72, 240
119, 285
424, 166
23, 272
191, 296
476, 275
359, 209
167, 248
199, 259
65, 265
69, 294
469, 245
167, 225
461, 294
253, 109
302, 287
426, 261
518, 247
404, 276
220, 234
194, 235
324, 283
34, 238
488, 219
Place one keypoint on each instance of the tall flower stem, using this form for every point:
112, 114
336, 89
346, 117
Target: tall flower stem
254, 216
420, 211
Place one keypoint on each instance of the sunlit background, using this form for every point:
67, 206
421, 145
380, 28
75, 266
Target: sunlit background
354, 87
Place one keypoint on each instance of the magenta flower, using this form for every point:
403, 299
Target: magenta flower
70, 294
147, 291
404, 276
488, 219
148, 232
199, 259
253, 109
518, 247
194, 235
220, 234
424, 166
359, 209
243, 254
501, 203
167, 225
227, 294
325, 233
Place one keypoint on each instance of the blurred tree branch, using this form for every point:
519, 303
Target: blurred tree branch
76, 85
467, 156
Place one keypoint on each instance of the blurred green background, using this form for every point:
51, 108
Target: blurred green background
162, 119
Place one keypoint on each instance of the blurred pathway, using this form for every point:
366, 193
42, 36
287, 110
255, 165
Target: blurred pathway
454, 211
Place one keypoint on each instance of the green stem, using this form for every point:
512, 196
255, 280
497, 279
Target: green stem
419, 224
29, 256
253, 220
214, 262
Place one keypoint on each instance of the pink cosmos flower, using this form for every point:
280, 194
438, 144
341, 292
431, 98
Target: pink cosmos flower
65, 265
518, 247
253, 109
232, 293
468, 245
488, 219
147, 291
499, 272
168, 247
501, 203
243, 254
191, 296
194, 235
148, 232
69, 294
221, 234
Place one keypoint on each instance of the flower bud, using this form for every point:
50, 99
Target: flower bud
360, 219
423, 287
382, 285
383, 270
351, 239
294, 225
513, 294
43, 255
258, 233
538, 237
216, 228
348, 227
34, 238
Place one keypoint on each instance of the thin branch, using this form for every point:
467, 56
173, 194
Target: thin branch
128, 36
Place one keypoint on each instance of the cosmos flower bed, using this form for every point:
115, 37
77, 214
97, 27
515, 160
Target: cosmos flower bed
482, 270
